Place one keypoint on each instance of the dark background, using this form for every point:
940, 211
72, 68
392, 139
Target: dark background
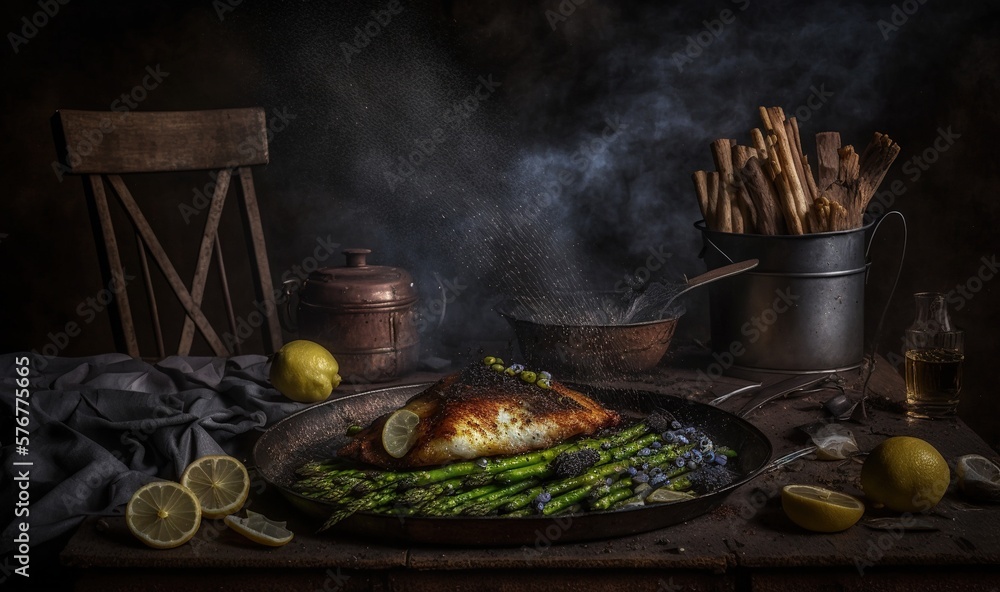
669, 79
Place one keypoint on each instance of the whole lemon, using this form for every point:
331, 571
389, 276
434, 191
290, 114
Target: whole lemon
304, 371
905, 474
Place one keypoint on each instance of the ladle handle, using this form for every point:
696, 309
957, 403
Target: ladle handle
722, 272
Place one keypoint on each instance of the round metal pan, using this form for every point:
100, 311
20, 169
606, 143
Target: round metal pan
316, 432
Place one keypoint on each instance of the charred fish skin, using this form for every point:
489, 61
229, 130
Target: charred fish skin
481, 412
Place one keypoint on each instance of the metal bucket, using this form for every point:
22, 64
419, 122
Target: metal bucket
801, 310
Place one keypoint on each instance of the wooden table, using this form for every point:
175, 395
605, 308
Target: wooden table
745, 544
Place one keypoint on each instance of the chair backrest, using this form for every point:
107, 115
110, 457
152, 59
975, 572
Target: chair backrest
102, 146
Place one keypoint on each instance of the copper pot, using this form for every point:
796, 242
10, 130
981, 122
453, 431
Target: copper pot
364, 314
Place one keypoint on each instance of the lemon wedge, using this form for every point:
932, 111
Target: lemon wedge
978, 477
666, 496
399, 433
220, 482
163, 514
260, 529
820, 510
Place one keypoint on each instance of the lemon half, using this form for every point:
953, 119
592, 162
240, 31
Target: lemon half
220, 482
163, 514
820, 510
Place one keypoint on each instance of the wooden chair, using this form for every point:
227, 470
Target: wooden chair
105, 145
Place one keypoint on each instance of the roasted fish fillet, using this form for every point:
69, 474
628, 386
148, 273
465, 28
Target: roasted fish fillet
481, 412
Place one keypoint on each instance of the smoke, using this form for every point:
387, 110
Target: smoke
533, 154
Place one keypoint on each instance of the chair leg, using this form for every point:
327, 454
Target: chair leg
154, 312
262, 271
225, 293
208, 238
94, 186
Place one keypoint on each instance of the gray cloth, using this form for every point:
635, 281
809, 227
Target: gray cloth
101, 427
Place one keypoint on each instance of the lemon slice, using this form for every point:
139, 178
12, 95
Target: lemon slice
978, 477
220, 482
820, 510
260, 529
666, 496
400, 432
163, 514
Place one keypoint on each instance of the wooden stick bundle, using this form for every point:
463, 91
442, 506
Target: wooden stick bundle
769, 187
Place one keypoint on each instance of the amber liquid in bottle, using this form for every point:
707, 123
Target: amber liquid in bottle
933, 381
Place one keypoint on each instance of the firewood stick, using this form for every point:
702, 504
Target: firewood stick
739, 224
828, 162
764, 197
700, 179
758, 143
722, 155
784, 154
840, 221
723, 211
740, 156
713, 200
873, 165
791, 132
765, 118
810, 179
787, 202
848, 171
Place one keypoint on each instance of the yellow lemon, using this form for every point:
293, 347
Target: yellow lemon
163, 514
820, 510
905, 474
220, 482
260, 529
304, 371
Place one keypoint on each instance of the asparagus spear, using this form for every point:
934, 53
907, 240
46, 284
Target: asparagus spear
486, 485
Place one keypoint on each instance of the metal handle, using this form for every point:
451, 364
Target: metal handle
289, 289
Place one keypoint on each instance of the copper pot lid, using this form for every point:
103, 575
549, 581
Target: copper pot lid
359, 284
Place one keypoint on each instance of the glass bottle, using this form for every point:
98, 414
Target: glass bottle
934, 352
